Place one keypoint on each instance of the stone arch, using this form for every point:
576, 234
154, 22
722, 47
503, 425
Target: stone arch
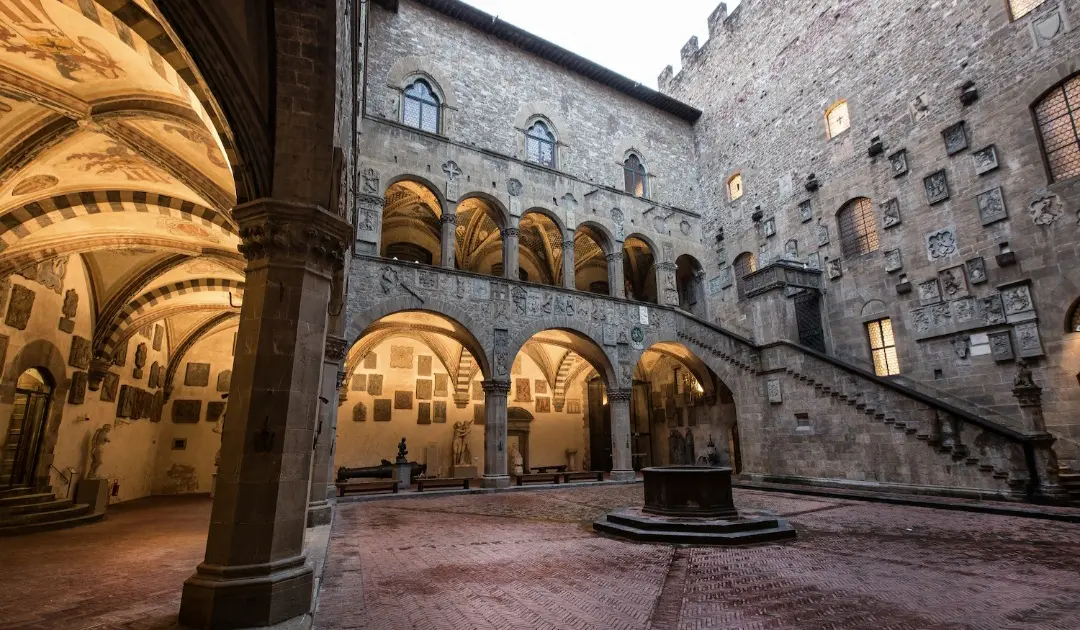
685, 356
873, 307
690, 284
501, 213
589, 350
410, 227
559, 223
607, 239
641, 274
389, 181
1072, 317
472, 341
632, 144
46, 357
412, 67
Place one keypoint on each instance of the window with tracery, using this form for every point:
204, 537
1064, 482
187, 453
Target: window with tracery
1058, 118
421, 110
540, 145
734, 187
883, 347
836, 119
1020, 8
858, 228
745, 264
634, 172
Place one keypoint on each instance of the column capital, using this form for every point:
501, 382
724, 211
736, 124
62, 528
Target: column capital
336, 348
619, 395
448, 219
496, 387
615, 257
511, 232
282, 231
568, 245
666, 266
370, 201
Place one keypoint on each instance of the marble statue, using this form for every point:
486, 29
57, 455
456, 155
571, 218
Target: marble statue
462, 454
97, 443
516, 461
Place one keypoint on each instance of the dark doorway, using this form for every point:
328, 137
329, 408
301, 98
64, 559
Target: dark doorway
26, 432
808, 318
640, 431
599, 427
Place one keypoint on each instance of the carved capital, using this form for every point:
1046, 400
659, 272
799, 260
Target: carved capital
99, 367
511, 232
614, 258
666, 266
448, 219
1028, 396
568, 245
370, 202
496, 388
276, 231
336, 349
619, 395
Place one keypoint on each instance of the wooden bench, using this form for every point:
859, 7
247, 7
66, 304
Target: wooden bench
549, 469
538, 478
345, 487
453, 482
592, 475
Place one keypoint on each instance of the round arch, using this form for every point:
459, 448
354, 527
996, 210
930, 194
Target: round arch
440, 198
1072, 317
547, 213
640, 268
586, 348
689, 281
467, 336
606, 239
500, 213
45, 357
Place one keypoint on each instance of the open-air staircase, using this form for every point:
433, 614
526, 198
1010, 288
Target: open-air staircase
24, 510
1070, 480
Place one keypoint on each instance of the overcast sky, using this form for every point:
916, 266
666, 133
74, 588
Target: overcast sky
636, 38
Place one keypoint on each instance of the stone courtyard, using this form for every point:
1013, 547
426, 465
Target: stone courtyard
530, 560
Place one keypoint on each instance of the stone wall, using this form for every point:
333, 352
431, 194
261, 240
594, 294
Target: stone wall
493, 88
764, 81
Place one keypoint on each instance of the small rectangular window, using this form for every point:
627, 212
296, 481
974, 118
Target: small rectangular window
734, 187
1020, 8
883, 347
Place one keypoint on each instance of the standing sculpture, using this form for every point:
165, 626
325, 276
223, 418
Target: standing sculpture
676, 448
97, 443
219, 428
462, 454
516, 460
688, 448
402, 452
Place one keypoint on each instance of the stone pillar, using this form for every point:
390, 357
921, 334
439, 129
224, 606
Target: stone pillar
448, 239
568, 269
1029, 397
369, 209
622, 466
495, 475
667, 291
510, 253
701, 309
320, 499
615, 275
255, 572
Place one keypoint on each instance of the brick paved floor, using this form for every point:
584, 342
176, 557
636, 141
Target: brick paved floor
529, 560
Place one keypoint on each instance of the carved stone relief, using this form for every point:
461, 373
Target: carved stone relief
441, 384
479, 414
898, 163
835, 269
823, 234
371, 361
1017, 302
153, 380
990, 311
109, 386
991, 206
976, 270
960, 346
381, 412
806, 211
776, 396
1047, 26
403, 400
985, 160
50, 273
1001, 346
69, 310
438, 412
890, 213
197, 375
183, 411
953, 283
77, 391
522, 390
80, 354
140, 361
20, 306
955, 137
159, 336
423, 365
375, 384
936, 186
401, 357
929, 292
224, 381
424, 389
423, 413
941, 243
769, 227
1028, 341
1045, 208
893, 261
359, 383
214, 409
964, 310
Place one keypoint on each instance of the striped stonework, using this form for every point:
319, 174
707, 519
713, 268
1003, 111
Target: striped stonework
21, 222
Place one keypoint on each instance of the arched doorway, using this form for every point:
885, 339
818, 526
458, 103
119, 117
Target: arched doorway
639, 270
681, 413
689, 279
26, 430
410, 224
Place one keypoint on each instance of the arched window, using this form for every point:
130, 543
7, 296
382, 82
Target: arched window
1058, 118
734, 187
540, 145
1020, 8
836, 119
421, 109
634, 172
1074, 318
745, 264
858, 230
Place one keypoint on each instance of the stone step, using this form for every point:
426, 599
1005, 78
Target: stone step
33, 518
12, 491
692, 526
25, 499
684, 538
34, 528
33, 508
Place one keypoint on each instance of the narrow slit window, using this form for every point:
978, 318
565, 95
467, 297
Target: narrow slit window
883, 347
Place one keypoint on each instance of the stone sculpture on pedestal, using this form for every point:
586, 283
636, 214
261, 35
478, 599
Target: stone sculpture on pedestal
97, 444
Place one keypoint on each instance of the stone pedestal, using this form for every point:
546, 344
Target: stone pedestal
464, 472
495, 435
403, 475
622, 468
255, 572
93, 492
571, 459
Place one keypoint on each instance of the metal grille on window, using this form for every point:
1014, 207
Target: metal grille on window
635, 176
421, 107
744, 265
1058, 117
858, 228
883, 347
540, 145
1020, 8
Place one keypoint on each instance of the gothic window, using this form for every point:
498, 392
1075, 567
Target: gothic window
421, 109
634, 175
1020, 8
734, 187
883, 347
540, 145
836, 119
1058, 118
858, 229
745, 264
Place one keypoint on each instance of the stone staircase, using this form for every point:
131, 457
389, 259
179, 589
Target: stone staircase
980, 449
24, 510
1070, 481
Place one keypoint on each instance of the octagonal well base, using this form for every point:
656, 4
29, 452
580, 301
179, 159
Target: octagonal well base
747, 528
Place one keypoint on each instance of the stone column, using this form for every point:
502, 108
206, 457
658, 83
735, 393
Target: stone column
369, 209
320, 499
622, 467
667, 291
702, 308
1029, 397
448, 239
568, 268
255, 572
510, 252
615, 275
495, 474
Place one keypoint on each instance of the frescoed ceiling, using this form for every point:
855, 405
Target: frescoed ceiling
109, 152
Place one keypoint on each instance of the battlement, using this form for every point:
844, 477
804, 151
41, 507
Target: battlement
720, 21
